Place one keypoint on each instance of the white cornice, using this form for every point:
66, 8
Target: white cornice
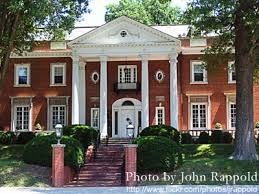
42, 54
192, 50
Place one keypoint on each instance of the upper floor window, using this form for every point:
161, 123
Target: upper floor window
58, 74
127, 74
22, 75
160, 115
198, 73
231, 72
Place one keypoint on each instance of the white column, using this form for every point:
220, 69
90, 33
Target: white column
81, 91
75, 90
173, 91
103, 97
144, 92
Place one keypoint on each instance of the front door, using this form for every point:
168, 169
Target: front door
127, 115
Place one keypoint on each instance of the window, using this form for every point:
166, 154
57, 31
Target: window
199, 73
95, 77
116, 123
58, 115
22, 117
58, 74
199, 115
231, 72
95, 117
127, 74
22, 75
160, 76
160, 115
232, 115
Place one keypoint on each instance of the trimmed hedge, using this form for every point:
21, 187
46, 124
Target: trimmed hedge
6, 137
227, 138
216, 136
186, 138
83, 133
203, 138
25, 137
161, 130
156, 153
39, 151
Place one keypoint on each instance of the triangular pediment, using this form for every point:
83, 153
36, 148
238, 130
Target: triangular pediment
123, 30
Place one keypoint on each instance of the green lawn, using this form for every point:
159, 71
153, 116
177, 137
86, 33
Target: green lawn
15, 173
202, 160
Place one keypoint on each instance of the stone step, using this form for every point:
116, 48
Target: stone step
93, 184
98, 173
97, 178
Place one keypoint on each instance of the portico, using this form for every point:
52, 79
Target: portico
122, 40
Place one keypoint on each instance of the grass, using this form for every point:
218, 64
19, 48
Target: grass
15, 173
201, 160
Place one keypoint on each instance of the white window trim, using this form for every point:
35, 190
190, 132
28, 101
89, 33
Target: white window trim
16, 75
15, 117
52, 75
132, 67
51, 115
230, 81
205, 73
92, 110
163, 119
191, 114
229, 115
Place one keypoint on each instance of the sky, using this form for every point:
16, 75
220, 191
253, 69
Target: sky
96, 17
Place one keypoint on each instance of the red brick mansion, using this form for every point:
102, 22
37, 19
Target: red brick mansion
115, 74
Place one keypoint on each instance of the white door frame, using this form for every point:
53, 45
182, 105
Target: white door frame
117, 106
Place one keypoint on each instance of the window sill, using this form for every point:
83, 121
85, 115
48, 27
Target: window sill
58, 85
231, 82
192, 83
22, 86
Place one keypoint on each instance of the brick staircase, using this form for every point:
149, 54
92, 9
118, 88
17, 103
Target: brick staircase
107, 168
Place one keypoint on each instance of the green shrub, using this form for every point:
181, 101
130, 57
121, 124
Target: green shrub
227, 137
216, 136
161, 130
203, 138
83, 133
25, 137
156, 153
39, 151
6, 137
186, 138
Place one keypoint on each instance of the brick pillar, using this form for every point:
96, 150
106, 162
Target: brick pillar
58, 165
130, 164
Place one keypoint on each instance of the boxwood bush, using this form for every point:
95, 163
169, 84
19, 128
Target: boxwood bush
156, 153
216, 136
83, 133
203, 138
227, 138
39, 151
161, 130
186, 138
6, 137
25, 137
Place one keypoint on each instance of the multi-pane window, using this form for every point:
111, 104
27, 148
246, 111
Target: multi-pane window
22, 117
199, 115
160, 115
58, 115
95, 117
127, 74
199, 73
22, 72
58, 74
231, 72
232, 112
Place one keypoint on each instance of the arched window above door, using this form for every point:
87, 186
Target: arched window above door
127, 103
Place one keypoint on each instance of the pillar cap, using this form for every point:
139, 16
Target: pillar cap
58, 145
131, 145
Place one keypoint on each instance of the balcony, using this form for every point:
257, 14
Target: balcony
135, 86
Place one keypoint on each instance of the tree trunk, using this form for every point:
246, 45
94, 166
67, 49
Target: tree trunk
245, 64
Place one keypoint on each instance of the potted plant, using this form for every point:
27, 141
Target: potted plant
39, 127
218, 126
257, 125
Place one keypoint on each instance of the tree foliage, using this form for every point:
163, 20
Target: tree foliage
150, 12
235, 24
24, 20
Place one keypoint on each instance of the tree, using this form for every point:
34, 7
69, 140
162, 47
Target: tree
23, 21
149, 12
236, 24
